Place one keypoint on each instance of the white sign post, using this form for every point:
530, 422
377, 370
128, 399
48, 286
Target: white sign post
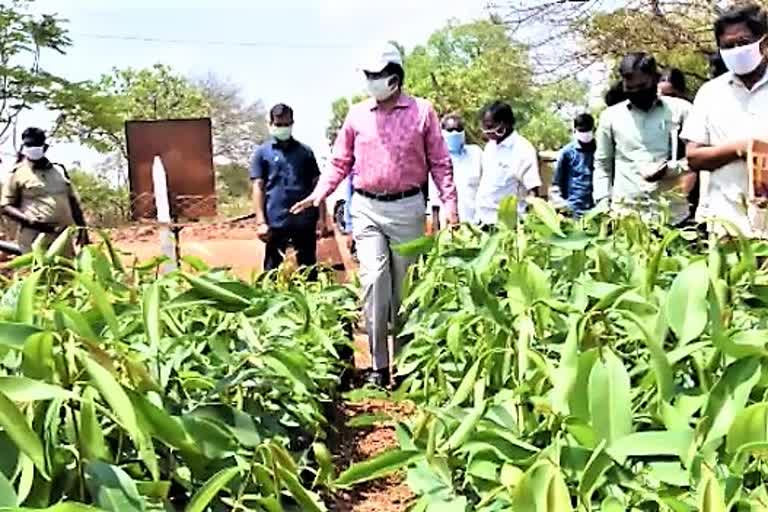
167, 241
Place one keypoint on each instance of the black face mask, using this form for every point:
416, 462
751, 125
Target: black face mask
643, 98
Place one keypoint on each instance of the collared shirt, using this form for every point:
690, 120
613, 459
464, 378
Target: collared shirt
289, 171
42, 195
631, 142
573, 175
725, 111
510, 168
391, 150
467, 168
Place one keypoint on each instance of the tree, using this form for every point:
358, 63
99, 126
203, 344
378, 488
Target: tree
339, 110
237, 125
463, 67
130, 94
23, 81
568, 37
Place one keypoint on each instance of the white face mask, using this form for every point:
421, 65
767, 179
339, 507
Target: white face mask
282, 133
743, 60
382, 88
33, 153
584, 137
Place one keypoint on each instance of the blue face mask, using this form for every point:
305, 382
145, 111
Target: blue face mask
455, 141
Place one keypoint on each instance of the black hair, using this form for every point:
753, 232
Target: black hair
716, 65
280, 110
35, 136
615, 94
676, 78
501, 112
752, 15
397, 70
638, 62
584, 122
452, 115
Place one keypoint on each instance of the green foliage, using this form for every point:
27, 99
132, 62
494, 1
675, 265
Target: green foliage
602, 364
127, 390
238, 126
464, 67
131, 94
105, 204
24, 38
233, 181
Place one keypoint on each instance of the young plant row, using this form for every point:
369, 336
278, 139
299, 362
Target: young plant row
599, 365
124, 390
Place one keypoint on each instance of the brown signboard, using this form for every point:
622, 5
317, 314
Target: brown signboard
184, 145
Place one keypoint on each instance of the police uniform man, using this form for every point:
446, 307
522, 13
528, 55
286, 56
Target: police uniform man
39, 196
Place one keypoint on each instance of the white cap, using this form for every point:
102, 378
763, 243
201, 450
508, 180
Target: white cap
378, 58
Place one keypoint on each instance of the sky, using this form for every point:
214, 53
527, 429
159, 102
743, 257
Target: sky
301, 52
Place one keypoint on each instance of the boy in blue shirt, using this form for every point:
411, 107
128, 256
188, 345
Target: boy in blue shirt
572, 180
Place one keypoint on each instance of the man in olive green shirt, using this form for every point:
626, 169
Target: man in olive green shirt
635, 168
39, 196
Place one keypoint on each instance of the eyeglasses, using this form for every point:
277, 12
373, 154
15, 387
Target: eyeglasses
454, 129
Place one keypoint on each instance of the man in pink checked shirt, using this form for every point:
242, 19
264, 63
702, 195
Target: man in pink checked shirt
394, 141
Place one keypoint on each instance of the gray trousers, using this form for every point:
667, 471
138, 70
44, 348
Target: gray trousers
376, 227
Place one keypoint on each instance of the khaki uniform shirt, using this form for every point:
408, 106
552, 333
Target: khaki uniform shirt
41, 194
725, 111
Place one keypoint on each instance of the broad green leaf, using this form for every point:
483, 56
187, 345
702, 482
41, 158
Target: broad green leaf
749, 426
416, 247
467, 384
686, 305
711, 498
25, 309
729, 396
546, 214
14, 335
77, 322
22, 389
653, 444
114, 394
610, 398
151, 312
162, 425
15, 425
508, 212
112, 489
92, 440
599, 462
7, 494
38, 361
307, 501
203, 498
382, 465
102, 302
542, 489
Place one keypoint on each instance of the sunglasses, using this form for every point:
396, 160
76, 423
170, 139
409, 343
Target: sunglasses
454, 129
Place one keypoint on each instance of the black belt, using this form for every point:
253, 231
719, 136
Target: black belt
389, 197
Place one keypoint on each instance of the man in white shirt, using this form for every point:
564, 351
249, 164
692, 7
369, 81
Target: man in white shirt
467, 168
728, 113
510, 165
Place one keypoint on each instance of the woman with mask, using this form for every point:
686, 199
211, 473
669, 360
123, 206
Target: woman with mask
728, 113
40, 197
572, 181
510, 165
467, 165
637, 164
